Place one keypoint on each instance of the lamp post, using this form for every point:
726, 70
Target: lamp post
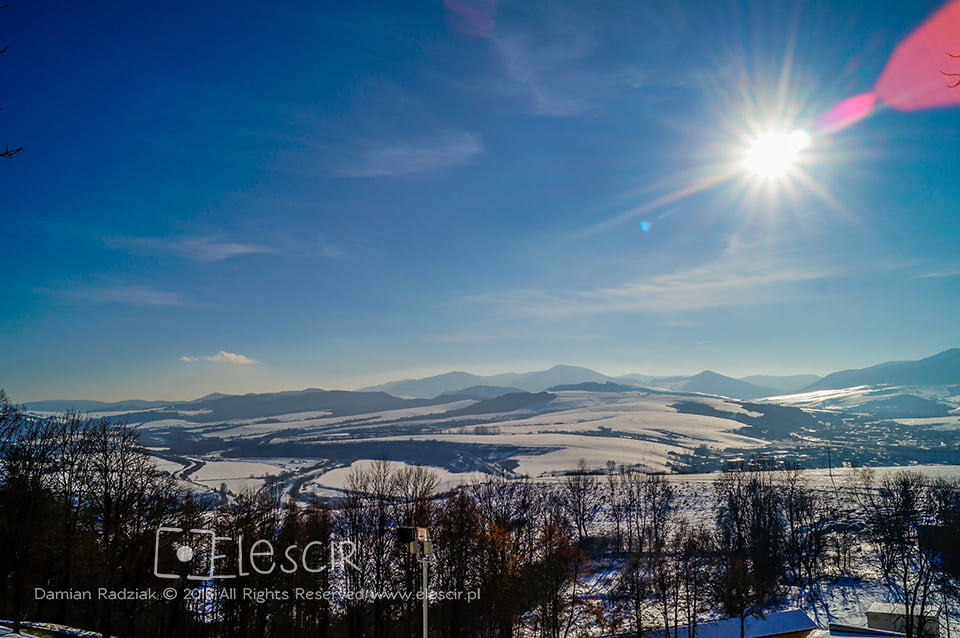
418, 540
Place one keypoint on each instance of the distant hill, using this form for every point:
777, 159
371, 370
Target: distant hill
782, 384
940, 369
429, 386
557, 375
221, 407
337, 402
641, 379
710, 382
567, 377
505, 403
480, 392
451, 382
81, 405
593, 386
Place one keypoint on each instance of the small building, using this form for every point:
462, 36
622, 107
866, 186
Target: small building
836, 630
891, 617
792, 623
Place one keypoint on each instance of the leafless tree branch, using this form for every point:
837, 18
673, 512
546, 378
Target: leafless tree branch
7, 151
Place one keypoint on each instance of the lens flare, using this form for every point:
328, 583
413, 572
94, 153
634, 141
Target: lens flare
773, 153
921, 73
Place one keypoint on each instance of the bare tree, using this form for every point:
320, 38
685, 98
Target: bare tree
27, 456
369, 514
556, 579
749, 540
413, 489
806, 526
7, 151
461, 547
580, 498
646, 578
898, 508
694, 555
737, 590
616, 503
635, 589
512, 511
71, 432
126, 499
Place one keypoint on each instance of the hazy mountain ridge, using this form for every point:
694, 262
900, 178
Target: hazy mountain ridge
695, 425
253, 405
86, 405
706, 382
784, 384
454, 382
429, 387
940, 369
709, 382
480, 392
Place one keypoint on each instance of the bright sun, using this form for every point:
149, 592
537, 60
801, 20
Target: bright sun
773, 153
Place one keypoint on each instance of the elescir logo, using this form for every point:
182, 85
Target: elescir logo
199, 548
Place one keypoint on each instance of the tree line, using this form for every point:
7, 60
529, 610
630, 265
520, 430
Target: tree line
84, 508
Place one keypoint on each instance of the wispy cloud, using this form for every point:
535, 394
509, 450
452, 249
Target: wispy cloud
571, 58
204, 249
480, 334
329, 249
427, 155
223, 357
730, 280
944, 273
546, 73
139, 296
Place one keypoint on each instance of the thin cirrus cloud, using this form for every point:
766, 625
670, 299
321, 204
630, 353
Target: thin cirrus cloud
568, 58
138, 296
723, 282
204, 249
545, 74
944, 273
223, 357
329, 249
427, 155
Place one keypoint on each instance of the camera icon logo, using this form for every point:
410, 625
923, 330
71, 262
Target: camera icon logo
173, 545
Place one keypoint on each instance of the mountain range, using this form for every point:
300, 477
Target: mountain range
707, 382
221, 407
939, 369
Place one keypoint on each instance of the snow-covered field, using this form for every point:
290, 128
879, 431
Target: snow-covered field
627, 428
336, 480
237, 475
647, 430
854, 399
316, 420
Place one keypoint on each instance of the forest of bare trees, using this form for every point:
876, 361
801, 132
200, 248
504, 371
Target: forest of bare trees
597, 552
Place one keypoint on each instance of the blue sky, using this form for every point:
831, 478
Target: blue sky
259, 196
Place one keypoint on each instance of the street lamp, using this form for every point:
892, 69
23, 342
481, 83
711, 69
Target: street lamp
418, 540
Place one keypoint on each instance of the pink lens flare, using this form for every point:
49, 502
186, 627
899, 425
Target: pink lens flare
846, 113
922, 73
916, 75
